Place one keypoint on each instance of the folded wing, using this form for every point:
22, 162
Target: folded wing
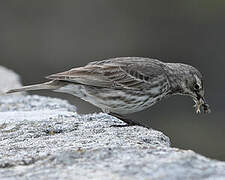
119, 73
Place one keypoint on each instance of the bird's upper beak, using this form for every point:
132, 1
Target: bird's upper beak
201, 103
200, 95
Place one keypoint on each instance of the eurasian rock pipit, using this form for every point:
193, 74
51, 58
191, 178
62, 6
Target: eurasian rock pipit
125, 85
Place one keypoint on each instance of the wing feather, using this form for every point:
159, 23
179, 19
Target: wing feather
118, 73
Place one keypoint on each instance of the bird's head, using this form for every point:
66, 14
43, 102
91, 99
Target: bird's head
190, 82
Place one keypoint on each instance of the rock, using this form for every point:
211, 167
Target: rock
44, 138
9, 80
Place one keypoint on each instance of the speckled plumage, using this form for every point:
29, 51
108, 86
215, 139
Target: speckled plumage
127, 84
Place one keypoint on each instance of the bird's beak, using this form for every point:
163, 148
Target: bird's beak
200, 95
201, 103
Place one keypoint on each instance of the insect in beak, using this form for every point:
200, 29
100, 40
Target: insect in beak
201, 103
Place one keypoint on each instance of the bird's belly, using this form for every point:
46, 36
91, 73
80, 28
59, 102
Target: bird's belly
121, 102
128, 107
112, 100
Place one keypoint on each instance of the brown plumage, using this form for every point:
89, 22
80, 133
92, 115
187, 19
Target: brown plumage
128, 84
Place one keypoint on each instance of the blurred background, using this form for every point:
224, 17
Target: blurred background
38, 38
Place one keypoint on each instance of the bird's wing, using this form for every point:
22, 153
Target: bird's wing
122, 73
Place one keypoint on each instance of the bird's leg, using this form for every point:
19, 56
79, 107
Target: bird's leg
124, 119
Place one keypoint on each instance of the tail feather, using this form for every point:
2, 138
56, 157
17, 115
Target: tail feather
47, 85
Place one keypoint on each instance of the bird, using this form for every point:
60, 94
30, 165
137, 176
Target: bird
124, 85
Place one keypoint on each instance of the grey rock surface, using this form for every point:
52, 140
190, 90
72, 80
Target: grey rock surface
9, 80
44, 138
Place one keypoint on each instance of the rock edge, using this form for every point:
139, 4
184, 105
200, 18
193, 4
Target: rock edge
44, 137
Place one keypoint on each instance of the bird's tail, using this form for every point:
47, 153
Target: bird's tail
48, 85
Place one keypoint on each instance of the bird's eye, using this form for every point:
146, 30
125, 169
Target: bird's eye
196, 87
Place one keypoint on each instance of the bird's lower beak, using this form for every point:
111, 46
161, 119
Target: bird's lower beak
201, 103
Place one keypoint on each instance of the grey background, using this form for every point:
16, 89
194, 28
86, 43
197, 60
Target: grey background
38, 38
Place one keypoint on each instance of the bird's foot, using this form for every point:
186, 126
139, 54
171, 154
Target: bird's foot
122, 125
127, 121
